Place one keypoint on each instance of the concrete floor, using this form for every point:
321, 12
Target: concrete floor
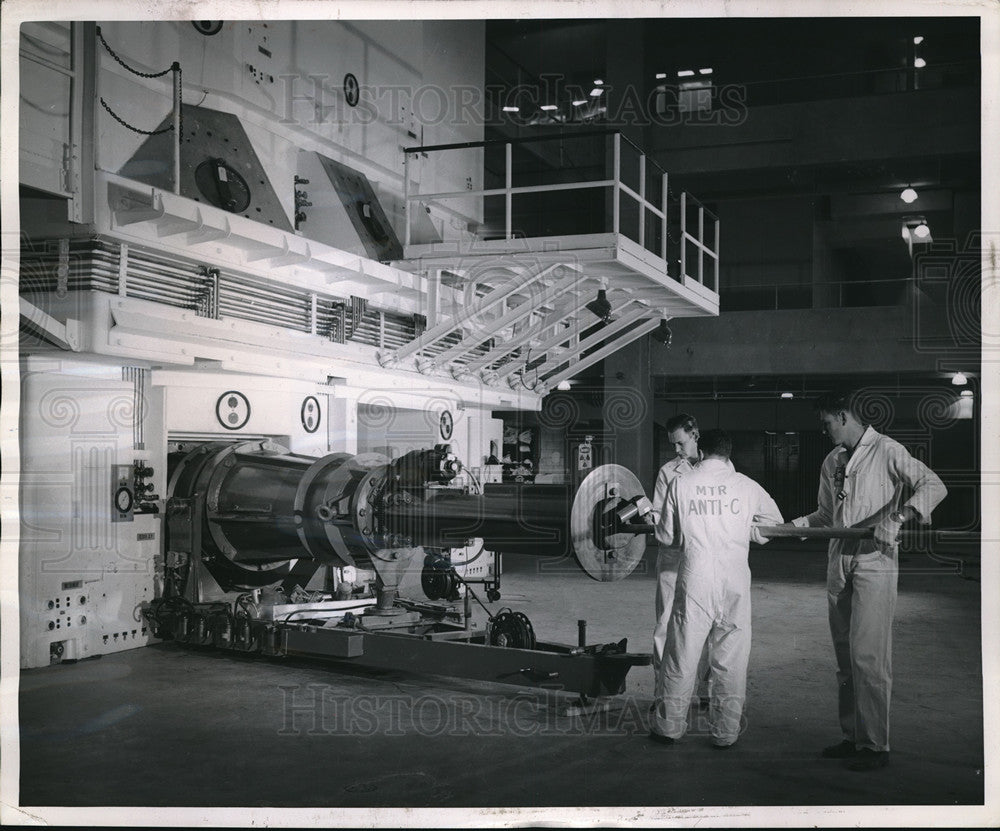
180, 726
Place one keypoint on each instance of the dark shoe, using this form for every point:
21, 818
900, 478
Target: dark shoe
656, 737
844, 750
723, 746
868, 759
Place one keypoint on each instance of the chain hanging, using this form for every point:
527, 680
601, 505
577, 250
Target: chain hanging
174, 67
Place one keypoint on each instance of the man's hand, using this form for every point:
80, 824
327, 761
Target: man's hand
887, 530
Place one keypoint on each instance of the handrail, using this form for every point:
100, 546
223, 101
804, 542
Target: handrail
639, 194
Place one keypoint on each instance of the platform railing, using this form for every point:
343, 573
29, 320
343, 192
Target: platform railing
622, 194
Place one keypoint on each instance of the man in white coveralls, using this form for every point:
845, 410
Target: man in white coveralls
711, 510
868, 480
682, 433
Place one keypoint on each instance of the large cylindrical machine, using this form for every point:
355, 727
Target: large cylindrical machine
258, 508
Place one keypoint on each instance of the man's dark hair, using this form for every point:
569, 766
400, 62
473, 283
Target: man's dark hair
838, 401
715, 443
682, 421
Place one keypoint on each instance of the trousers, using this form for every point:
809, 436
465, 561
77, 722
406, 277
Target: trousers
716, 620
861, 595
667, 563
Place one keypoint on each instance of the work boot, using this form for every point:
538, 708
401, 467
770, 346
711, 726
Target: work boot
659, 739
868, 759
844, 750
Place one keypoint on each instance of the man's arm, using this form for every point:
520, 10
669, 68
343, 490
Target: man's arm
766, 513
927, 489
666, 531
660, 492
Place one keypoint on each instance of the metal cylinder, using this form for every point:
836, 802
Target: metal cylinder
251, 509
527, 519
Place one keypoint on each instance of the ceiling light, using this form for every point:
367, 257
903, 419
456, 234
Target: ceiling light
919, 63
922, 231
685, 73
511, 109
598, 82
565, 386
918, 39
600, 306
595, 92
660, 76
959, 379
788, 395
662, 334
908, 195
548, 107
580, 102
706, 71
966, 394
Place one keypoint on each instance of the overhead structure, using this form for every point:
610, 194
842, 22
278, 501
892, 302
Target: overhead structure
530, 293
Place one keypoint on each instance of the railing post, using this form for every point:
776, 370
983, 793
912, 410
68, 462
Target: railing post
718, 248
176, 69
617, 175
683, 234
666, 191
642, 200
508, 197
406, 199
701, 244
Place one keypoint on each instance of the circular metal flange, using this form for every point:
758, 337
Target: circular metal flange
617, 555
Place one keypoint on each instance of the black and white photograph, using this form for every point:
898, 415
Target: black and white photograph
466, 414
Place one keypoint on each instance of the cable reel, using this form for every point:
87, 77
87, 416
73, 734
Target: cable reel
512, 630
438, 578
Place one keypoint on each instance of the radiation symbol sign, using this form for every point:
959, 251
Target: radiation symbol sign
232, 410
310, 414
447, 425
352, 89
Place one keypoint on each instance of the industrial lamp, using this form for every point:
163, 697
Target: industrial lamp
662, 334
600, 306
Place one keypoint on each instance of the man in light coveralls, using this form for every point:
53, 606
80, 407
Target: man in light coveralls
867, 481
682, 433
711, 511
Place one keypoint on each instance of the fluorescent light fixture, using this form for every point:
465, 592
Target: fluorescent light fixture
919, 63
598, 82
565, 386
959, 379
595, 92
660, 76
511, 109
908, 195
580, 102
548, 107
922, 231
706, 71
918, 39
685, 73
788, 395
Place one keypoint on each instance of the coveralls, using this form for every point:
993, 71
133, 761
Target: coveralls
667, 560
858, 489
711, 511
